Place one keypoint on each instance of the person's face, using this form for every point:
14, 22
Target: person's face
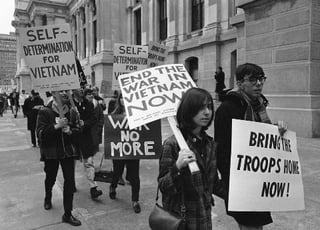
94, 92
252, 85
64, 97
202, 118
89, 97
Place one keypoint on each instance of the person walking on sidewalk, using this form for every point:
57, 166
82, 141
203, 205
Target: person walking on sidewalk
194, 115
131, 165
31, 108
55, 133
84, 143
245, 103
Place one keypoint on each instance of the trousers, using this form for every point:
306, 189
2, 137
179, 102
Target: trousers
132, 167
51, 167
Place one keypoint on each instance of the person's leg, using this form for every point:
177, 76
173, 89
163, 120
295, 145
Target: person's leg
244, 227
118, 167
90, 170
133, 167
33, 137
67, 166
51, 169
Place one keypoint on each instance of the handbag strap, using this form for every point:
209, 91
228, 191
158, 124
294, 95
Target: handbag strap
182, 206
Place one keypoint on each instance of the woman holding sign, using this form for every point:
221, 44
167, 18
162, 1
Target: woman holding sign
244, 103
132, 167
194, 116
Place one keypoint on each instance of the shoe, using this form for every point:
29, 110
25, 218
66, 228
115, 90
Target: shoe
15, 116
71, 220
47, 204
136, 207
95, 193
112, 192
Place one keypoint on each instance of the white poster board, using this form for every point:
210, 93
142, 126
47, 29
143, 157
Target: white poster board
48, 51
127, 59
157, 54
265, 171
154, 93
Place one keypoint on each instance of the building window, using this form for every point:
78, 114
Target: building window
76, 43
93, 7
197, 14
95, 37
84, 42
192, 67
83, 15
44, 20
137, 16
163, 19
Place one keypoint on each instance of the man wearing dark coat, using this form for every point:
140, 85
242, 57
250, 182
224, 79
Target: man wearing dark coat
84, 143
31, 108
55, 129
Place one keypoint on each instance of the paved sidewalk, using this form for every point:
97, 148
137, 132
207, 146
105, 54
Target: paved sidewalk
22, 191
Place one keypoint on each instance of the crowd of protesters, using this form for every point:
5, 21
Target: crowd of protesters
69, 127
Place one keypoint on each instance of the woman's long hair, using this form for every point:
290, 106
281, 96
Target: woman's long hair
119, 108
191, 103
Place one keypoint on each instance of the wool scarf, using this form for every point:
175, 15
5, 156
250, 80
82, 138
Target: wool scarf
256, 109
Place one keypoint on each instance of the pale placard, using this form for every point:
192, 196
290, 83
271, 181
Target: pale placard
265, 171
154, 93
127, 59
48, 51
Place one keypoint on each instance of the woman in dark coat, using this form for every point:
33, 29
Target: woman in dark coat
194, 116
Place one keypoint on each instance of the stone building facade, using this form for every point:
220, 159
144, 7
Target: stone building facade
281, 36
8, 64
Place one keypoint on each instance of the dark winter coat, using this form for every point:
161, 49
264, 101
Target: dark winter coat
233, 107
84, 141
32, 112
54, 144
197, 188
96, 130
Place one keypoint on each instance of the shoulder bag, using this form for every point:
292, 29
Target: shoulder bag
161, 219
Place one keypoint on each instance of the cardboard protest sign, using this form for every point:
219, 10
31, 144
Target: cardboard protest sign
127, 59
154, 93
157, 54
265, 171
144, 142
48, 51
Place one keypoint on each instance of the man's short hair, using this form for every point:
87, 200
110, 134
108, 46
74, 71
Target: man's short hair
248, 69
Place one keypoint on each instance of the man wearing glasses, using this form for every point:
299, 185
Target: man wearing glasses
244, 103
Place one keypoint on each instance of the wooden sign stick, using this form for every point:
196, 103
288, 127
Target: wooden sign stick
58, 100
193, 166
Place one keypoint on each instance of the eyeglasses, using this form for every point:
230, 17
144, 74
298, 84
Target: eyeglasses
254, 79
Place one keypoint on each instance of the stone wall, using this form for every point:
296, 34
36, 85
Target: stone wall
283, 37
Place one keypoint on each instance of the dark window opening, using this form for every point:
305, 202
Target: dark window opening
44, 20
95, 39
137, 14
163, 19
84, 43
197, 14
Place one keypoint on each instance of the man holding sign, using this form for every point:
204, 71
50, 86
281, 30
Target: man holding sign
244, 103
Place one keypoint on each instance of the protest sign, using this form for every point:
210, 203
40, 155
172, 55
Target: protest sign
48, 51
157, 54
154, 93
143, 142
127, 59
265, 171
